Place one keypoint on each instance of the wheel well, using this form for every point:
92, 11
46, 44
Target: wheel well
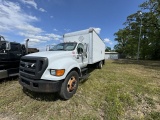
77, 70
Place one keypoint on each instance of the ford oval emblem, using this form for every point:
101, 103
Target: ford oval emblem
81, 38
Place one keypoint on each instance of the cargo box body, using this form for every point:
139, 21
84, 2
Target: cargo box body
95, 45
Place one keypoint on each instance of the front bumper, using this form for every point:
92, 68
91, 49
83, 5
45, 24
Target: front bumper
40, 85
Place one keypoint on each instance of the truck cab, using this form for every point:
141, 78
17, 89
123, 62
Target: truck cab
11, 51
10, 54
61, 68
79, 51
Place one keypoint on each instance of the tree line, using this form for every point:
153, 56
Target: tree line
143, 26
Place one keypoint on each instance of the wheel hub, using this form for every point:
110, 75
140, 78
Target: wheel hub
71, 84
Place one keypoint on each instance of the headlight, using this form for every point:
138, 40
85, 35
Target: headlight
57, 72
53, 72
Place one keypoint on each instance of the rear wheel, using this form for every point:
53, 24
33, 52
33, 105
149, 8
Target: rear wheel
70, 85
100, 65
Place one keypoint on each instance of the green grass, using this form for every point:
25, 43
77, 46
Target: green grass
122, 89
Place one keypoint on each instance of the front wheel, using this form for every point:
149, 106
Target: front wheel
70, 85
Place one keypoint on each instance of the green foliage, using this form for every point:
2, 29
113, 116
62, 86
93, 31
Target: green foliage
148, 21
108, 49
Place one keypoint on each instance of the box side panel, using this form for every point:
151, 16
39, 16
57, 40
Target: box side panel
98, 48
83, 38
90, 48
81, 32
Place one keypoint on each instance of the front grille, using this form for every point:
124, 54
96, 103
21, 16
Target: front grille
33, 67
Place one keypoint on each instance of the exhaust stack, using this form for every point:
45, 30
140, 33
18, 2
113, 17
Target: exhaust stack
27, 46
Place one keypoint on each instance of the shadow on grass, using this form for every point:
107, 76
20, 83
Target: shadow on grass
49, 97
146, 63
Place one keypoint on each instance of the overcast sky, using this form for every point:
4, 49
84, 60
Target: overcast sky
45, 21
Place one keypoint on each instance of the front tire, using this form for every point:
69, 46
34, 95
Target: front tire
69, 86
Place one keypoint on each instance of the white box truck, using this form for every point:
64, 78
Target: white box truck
61, 68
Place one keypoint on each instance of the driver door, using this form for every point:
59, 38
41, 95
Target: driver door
82, 55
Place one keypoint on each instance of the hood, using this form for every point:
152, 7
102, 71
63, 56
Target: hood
50, 54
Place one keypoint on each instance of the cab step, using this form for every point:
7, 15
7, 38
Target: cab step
85, 73
85, 77
84, 69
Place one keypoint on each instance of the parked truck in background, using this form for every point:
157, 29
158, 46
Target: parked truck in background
10, 54
61, 68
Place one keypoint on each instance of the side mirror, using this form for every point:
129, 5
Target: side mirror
85, 49
8, 46
80, 50
51, 47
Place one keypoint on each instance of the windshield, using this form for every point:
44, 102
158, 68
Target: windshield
64, 46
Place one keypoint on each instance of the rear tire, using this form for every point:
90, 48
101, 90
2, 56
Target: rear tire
100, 65
69, 86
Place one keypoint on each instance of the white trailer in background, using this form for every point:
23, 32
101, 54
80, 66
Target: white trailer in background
60, 69
111, 55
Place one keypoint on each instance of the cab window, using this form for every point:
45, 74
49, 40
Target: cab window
80, 48
63, 46
15, 47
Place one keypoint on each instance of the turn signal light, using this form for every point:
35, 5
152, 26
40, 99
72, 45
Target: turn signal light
57, 72
60, 72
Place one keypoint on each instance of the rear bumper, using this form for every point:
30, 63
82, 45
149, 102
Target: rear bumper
9, 73
40, 85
